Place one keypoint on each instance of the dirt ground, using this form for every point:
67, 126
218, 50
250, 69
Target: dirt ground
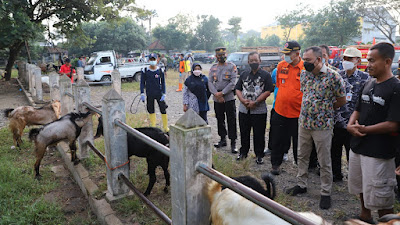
68, 194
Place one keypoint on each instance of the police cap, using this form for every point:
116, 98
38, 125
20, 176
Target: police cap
220, 50
291, 46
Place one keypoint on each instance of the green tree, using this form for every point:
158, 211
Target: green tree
272, 40
21, 20
336, 24
291, 19
184, 23
171, 37
235, 28
207, 35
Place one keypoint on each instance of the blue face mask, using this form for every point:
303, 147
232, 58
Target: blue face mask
323, 61
288, 59
153, 63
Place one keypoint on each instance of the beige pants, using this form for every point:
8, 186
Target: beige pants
323, 141
373, 177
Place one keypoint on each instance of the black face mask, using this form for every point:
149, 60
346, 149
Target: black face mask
254, 66
221, 59
309, 66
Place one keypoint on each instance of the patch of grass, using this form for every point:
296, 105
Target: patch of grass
14, 73
21, 199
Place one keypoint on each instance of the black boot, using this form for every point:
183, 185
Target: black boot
221, 143
233, 147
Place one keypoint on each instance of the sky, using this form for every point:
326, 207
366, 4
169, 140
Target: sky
254, 14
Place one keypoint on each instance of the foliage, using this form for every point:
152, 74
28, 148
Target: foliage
122, 36
22, 20
207, 35
291, 19
170, 36
272, 40
184, 23
383, 14
336, 24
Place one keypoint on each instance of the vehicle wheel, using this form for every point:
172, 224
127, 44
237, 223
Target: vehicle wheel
136, 77
105, 78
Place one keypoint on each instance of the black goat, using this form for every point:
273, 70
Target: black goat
67, 128
253, 183
153, 157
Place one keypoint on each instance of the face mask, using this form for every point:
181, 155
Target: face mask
221, 59
348, 65
254, 66
196, 72
288, 59
323, 61
309, 66
153, 63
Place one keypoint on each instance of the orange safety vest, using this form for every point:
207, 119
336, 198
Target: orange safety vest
182, 66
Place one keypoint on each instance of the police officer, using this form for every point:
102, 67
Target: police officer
221, 83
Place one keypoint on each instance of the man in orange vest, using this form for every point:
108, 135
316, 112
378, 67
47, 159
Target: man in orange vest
67, 70
284, 121
182, 74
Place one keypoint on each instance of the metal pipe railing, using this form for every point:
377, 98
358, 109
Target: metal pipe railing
100, 82
156, 210
253, 196
146, 139
95, 150
89, 106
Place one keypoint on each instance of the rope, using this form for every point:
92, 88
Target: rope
137, 105
116, 166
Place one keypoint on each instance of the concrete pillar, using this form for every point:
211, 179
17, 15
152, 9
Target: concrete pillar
115, 142
31, 78
38, 83
20, 70
190, 143
82, 94
116, 81
66, 101
54, 80
24, 74
79, 73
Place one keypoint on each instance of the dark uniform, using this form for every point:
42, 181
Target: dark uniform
222, 78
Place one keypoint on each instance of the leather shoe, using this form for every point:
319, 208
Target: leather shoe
220, 144
233, 147
296, 190
241, 157
259, 160
325, 202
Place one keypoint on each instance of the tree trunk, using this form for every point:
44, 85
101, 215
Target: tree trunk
14, 51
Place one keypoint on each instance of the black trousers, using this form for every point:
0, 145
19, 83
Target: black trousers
228, 108
283, 130
271, 132
150, 104
341, 137
258, 123
203, 114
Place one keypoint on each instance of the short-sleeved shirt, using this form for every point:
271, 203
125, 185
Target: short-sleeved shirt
252, 86
378, 102
223, 78
319, 93
273, 76
288, 99
354, 84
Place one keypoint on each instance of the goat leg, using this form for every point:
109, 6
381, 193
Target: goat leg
74, 158
166, 176
39, 156
152, 179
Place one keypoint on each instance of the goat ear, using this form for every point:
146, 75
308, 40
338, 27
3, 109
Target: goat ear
389, 217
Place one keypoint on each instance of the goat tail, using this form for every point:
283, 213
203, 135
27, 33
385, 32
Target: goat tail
213, 190
33, 133
7, 112
270, 183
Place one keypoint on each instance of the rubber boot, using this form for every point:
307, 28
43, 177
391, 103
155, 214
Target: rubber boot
164, 118
152, 119
180, 87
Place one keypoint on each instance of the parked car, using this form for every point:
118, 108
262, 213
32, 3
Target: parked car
396, 63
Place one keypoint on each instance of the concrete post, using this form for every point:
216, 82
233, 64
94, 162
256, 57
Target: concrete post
79, 73
54, 80
116, 81
115, 142
38, 83
66, 101
190, 144
24, 74
82, 94
31, 78
20, 70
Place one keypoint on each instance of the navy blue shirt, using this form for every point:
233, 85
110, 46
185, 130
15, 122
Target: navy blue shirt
153, 81
354, 84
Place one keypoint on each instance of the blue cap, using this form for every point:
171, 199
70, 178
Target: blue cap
153, 55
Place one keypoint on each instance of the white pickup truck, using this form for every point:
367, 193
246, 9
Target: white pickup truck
101, 64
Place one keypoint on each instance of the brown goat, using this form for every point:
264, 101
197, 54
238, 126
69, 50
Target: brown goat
27, 116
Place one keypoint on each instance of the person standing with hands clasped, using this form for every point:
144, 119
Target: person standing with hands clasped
252, 88
153, 80
375, 125
221, 83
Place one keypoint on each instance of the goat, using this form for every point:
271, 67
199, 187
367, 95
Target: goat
389, 219
153, 157
27, 116
67, 128
230, 208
